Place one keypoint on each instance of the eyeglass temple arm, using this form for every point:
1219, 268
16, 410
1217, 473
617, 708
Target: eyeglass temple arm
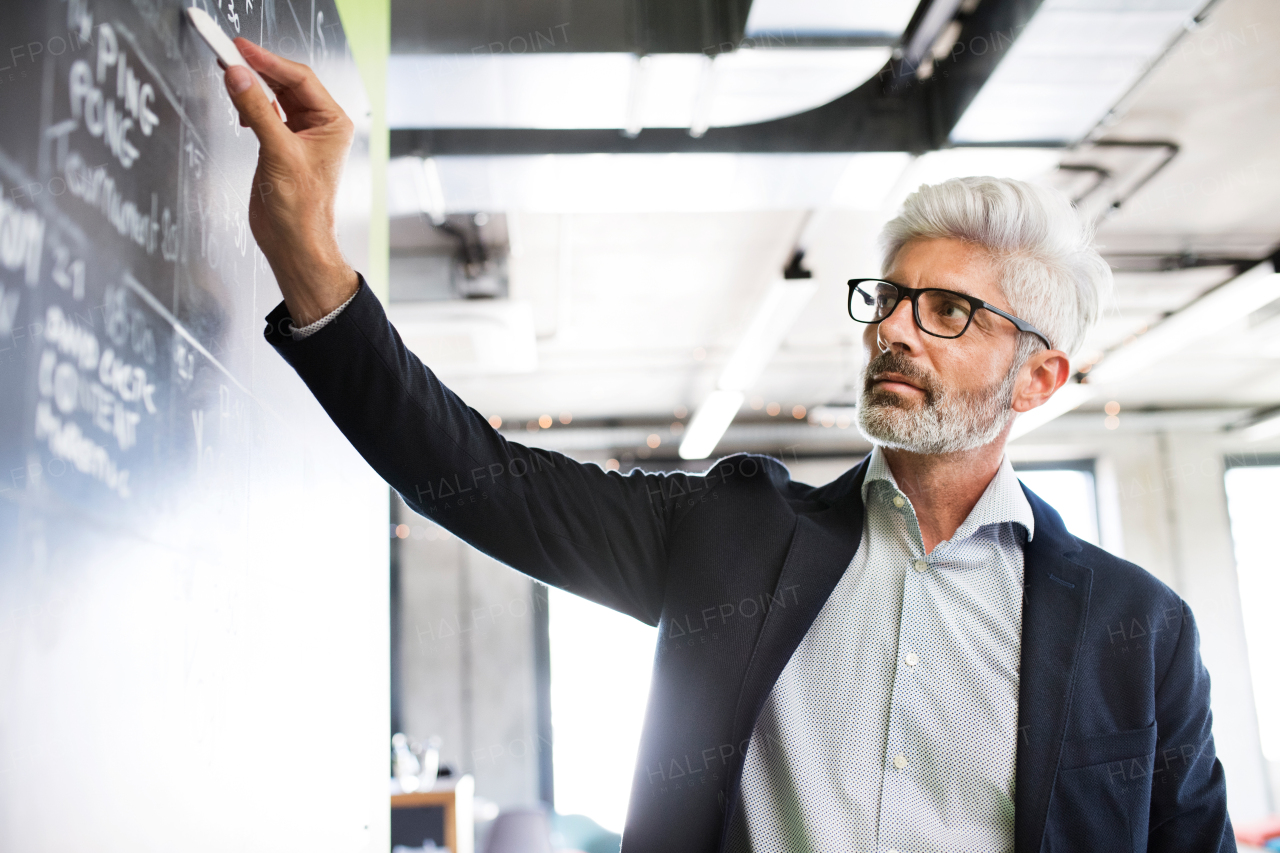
1020, 325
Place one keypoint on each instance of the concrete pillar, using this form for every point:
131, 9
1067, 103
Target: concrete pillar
467, 660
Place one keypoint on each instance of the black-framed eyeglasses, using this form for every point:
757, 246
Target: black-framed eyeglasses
941, 313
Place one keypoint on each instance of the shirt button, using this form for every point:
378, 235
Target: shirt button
900, 761
899, 501
920, 566
912, 659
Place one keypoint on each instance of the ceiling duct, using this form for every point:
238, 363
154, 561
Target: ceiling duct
1002, 72
472, 27
881, 114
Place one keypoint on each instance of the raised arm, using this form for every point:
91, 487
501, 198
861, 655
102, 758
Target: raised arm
601, 535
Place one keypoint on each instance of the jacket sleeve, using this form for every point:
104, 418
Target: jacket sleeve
599, 534
1188, 791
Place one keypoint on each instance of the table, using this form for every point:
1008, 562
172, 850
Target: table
454, 794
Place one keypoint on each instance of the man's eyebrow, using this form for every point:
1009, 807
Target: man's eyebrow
931, 287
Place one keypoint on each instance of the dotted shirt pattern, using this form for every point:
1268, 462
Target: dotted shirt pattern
893, 726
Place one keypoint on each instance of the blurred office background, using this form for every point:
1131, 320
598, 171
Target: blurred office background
622, 231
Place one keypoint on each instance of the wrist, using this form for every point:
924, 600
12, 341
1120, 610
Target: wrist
312, 291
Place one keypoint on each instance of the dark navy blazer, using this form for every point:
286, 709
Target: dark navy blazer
1115, 750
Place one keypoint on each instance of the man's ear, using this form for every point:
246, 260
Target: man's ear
1044, 373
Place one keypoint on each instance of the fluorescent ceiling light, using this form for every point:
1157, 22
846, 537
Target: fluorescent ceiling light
774, 317
658, 183
1208, 315
1066, 398
1067, 68
609, 90
829, 17
709, 423
936, 18
426, 186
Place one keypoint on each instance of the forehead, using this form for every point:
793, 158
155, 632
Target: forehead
948, 263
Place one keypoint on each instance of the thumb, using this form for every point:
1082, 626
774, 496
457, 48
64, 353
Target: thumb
255, 110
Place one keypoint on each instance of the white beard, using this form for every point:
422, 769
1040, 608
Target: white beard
945, 422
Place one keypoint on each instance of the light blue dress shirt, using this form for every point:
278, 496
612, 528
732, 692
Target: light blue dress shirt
894, 725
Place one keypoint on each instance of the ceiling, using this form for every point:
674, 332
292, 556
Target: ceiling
641, 272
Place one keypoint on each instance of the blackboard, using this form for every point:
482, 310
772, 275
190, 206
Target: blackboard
192, 560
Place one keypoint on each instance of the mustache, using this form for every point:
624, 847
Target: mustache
895, 362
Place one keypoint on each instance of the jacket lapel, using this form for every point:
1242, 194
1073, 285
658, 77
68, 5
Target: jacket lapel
822, 546
1054, 613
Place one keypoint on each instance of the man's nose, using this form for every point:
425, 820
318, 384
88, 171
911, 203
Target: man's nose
898, 330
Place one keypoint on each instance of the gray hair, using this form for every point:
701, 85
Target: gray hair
1050, 272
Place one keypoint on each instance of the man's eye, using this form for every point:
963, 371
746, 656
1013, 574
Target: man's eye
952, 309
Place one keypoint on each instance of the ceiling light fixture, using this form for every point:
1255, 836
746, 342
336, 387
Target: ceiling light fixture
936, 18
777, 313
1205, 316
702, 98
1068, 397
636, 96
774, 317
709, 424
426, 184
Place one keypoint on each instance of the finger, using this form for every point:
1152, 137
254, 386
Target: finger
298, 79
256, 111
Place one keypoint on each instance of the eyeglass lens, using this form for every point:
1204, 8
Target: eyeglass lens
941, 312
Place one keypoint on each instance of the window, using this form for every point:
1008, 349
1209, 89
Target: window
1252, 504
600, 666
1069, 488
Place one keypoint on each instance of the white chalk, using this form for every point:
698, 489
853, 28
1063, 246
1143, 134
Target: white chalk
227, 51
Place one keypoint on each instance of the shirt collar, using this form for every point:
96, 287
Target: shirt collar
1002, 502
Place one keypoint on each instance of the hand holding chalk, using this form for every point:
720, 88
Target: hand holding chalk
228, 55
295, 187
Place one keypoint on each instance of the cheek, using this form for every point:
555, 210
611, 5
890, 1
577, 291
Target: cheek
974, 370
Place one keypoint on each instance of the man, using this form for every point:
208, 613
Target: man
915, 657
